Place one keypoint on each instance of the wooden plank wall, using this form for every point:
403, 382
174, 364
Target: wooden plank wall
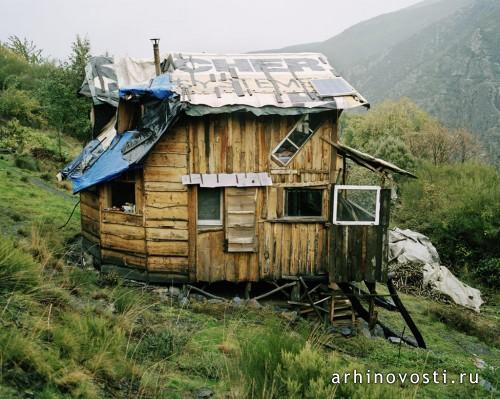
90, 220
360, 253
163, 237
166, 206
230, 143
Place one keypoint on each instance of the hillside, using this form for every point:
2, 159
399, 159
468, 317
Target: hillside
442, 54
68, 332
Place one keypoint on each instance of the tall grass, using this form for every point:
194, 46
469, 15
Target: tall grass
18, 270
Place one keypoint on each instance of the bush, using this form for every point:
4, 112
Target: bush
27, 162
488, 272
21, 105
261, 357
457, 207
13, 136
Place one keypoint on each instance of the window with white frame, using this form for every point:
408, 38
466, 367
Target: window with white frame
209, 206
356, 205
286, 150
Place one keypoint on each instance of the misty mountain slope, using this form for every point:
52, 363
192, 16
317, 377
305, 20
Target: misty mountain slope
444, 55
370, 40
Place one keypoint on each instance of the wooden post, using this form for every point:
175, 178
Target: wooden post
248, 288
296, 292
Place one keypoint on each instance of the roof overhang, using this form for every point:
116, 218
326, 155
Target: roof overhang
368, 161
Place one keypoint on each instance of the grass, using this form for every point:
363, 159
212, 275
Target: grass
67, 332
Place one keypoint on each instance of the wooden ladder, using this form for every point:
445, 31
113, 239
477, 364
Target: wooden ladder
341, 311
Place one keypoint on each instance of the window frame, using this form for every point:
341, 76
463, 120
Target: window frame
287, 138
338, 188
210, 222
286, 190
128, 177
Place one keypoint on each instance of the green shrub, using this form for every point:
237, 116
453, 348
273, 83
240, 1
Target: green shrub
22, 105
457, 207
27, 162
13, 136
488, 272
261, 357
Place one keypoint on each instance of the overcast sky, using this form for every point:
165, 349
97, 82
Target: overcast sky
123, 27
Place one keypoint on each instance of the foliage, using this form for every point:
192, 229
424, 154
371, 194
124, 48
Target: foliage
19, 104
39, 92
488, 272
261, 356
401, 132
457, 207
26, 162
13, 136
79, 57
64, 111
26, 49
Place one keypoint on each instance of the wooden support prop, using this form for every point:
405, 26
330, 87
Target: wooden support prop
273, 291
285, 294
208, 294
310, 298
308, 304
248, 288
310, 292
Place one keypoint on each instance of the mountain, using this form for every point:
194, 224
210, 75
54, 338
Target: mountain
443, 54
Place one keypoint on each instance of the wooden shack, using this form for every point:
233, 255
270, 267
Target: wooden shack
220, 169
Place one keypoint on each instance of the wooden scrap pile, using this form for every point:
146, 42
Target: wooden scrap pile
409, 278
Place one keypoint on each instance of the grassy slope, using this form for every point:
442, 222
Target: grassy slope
67, 332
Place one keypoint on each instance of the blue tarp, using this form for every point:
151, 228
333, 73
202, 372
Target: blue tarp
109, 165
159, 87
83, 159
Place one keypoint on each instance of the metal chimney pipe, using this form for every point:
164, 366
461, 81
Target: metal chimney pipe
156, 52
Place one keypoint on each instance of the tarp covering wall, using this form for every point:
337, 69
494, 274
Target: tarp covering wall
108, 165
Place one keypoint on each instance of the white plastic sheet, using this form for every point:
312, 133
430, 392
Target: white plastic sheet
407, 246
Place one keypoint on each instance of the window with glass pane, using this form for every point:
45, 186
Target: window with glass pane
298, 136
209, 206
356, 205
303, 202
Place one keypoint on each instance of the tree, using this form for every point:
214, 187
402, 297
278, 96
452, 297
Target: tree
80, 55
466, 146
26, 49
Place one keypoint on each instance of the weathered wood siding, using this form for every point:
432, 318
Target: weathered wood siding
90, 220
166, 206
361, 253
163, 238
231, 143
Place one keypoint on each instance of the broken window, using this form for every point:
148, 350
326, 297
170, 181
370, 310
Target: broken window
209, 206
300, 202
122, 193
297, 137
356, 205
